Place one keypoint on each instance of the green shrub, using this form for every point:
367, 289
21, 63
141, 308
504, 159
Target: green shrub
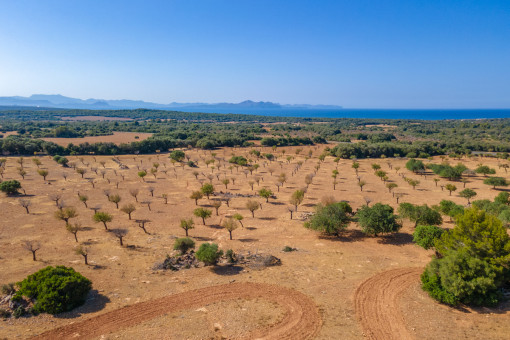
330, 219
177, 155
209, 253
378, 219
184, 244
19, 312
425, 235
10, 187
474, 262
231, 256
288, 249
55, 289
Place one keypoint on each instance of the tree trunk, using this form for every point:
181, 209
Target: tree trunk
26, 208
105, 226
186, 232
76, 237
120, 240
33, 255
230, 232
86, 259
129, 214
203, 221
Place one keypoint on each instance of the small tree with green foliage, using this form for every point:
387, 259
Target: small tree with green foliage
187, 225
10, 187
230, 225
451, 188
207, 189
252, 207
265, 193
467, 194
378, 219
202, 213
103, 217
496, 182
330, 219
209, 253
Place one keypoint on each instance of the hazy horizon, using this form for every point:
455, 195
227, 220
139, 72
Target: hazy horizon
359, 55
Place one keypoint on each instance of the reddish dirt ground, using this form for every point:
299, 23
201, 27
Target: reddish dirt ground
344, 277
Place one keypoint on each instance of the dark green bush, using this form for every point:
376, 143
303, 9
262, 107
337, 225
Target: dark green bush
425, 235
10, 187
209, 253
184, 244
55, 289
330, 219
288, 249
231, 256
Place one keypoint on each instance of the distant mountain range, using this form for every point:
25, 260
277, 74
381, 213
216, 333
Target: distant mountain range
62, 102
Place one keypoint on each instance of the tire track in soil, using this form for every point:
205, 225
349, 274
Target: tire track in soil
301, 320
376, 303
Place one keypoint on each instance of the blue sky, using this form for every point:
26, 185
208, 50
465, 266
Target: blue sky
358, 54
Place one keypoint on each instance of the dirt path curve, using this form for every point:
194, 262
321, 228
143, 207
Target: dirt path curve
376, 302
301, 320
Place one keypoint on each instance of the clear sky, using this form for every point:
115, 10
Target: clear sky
357, 53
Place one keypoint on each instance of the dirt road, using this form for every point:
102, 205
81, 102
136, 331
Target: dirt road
301, 320
376, 302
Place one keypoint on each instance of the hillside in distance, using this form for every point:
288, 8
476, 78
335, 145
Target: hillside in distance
59, 101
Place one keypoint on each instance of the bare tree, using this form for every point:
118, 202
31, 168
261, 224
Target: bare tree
25, 204
120, 234
141, 225
80, 250
31, 246
216, 205
134, 193
56, 198
151, 190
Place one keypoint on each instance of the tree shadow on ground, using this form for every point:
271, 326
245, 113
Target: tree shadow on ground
396, 239
351, 235
215, 226
250, 228
94, 303
267, 218
276, 203
227, 270
244, 240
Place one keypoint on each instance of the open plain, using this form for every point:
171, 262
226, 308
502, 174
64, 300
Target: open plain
351, 287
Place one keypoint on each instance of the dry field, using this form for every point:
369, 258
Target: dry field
353, 287
116, 138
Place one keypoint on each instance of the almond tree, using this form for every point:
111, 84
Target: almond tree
120, 234
25, 204
252, 206
44, 173
66, 214
115, 199
128, 209
83, 198
81, 171
231, 225
187, 225
216, 204
297, 198
196, 195
141, 225
239, 218
31, 246
80, 250
202, 213
103, 217
74, 229
134, 193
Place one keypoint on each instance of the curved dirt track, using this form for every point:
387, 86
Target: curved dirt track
376, 302
301, 320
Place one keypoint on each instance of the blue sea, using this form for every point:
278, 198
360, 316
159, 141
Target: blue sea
425, 114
